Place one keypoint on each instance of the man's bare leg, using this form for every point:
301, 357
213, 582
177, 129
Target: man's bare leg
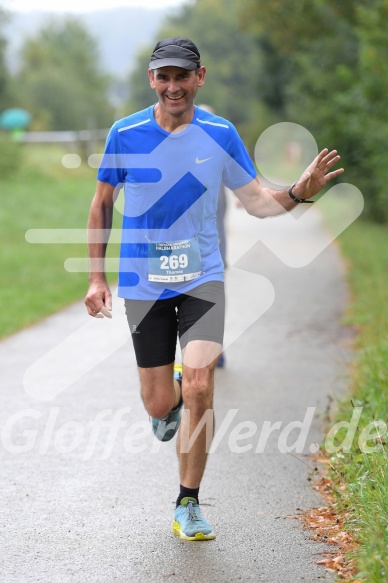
159, 391
197, 390
194, 437
193, 441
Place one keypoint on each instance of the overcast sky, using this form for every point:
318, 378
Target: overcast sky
84, 5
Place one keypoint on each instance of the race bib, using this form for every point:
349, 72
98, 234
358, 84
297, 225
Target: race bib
174, 261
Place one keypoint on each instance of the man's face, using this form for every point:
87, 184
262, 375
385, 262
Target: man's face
176, 88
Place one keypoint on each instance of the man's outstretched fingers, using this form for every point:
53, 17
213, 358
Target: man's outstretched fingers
322, 154
334, 174
328, 157
331, 159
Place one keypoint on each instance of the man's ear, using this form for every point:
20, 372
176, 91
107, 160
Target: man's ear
201, 76
151, 78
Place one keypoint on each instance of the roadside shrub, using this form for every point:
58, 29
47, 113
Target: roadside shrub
11, 155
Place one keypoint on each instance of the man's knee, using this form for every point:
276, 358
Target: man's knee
198, 388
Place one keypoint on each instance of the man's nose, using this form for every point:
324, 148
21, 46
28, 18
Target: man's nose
173, 86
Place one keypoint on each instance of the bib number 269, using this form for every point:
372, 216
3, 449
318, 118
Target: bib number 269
174, 261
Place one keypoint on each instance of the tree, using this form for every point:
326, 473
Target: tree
4, 75
228, 53
337, 85
60, 81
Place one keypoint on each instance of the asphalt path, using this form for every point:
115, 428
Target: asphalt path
87, 494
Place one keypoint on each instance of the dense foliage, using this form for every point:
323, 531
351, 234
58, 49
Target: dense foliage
60, 80
3, 71
331, 63
228, 53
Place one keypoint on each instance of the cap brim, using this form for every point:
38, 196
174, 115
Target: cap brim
182, 63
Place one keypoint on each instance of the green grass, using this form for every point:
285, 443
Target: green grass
362, 478
42, 195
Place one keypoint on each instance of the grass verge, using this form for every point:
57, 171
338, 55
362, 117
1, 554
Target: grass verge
43, 194
359, 474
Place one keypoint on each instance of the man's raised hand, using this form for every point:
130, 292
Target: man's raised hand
316, 176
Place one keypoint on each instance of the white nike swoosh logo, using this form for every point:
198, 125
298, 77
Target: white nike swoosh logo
198, 161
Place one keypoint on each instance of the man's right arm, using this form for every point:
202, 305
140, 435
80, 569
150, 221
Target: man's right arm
98, 299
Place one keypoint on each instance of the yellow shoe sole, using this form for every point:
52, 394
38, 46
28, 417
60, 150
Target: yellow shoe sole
178, 368
177, 530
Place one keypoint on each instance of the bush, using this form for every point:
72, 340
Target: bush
10, 156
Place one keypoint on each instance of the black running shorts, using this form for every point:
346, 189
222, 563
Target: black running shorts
154, 326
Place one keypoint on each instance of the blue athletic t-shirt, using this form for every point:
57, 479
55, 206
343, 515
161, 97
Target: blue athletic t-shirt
171, 181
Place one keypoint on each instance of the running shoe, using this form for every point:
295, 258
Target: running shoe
178, 373
164, 429
189, 524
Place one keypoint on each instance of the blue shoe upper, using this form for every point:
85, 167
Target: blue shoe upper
189, 516
164, 429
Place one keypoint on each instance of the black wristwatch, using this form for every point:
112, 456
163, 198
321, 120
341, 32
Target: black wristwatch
295, 198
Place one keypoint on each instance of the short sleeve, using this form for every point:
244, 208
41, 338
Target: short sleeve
238, 169
112, 169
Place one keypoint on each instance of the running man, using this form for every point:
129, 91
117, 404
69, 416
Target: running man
171, 159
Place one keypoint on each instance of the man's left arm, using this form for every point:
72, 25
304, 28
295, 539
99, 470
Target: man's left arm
261, 201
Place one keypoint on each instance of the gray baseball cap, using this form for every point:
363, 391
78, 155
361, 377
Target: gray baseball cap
175, 52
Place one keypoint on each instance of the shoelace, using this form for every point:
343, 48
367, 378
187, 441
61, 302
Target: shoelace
192, 510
